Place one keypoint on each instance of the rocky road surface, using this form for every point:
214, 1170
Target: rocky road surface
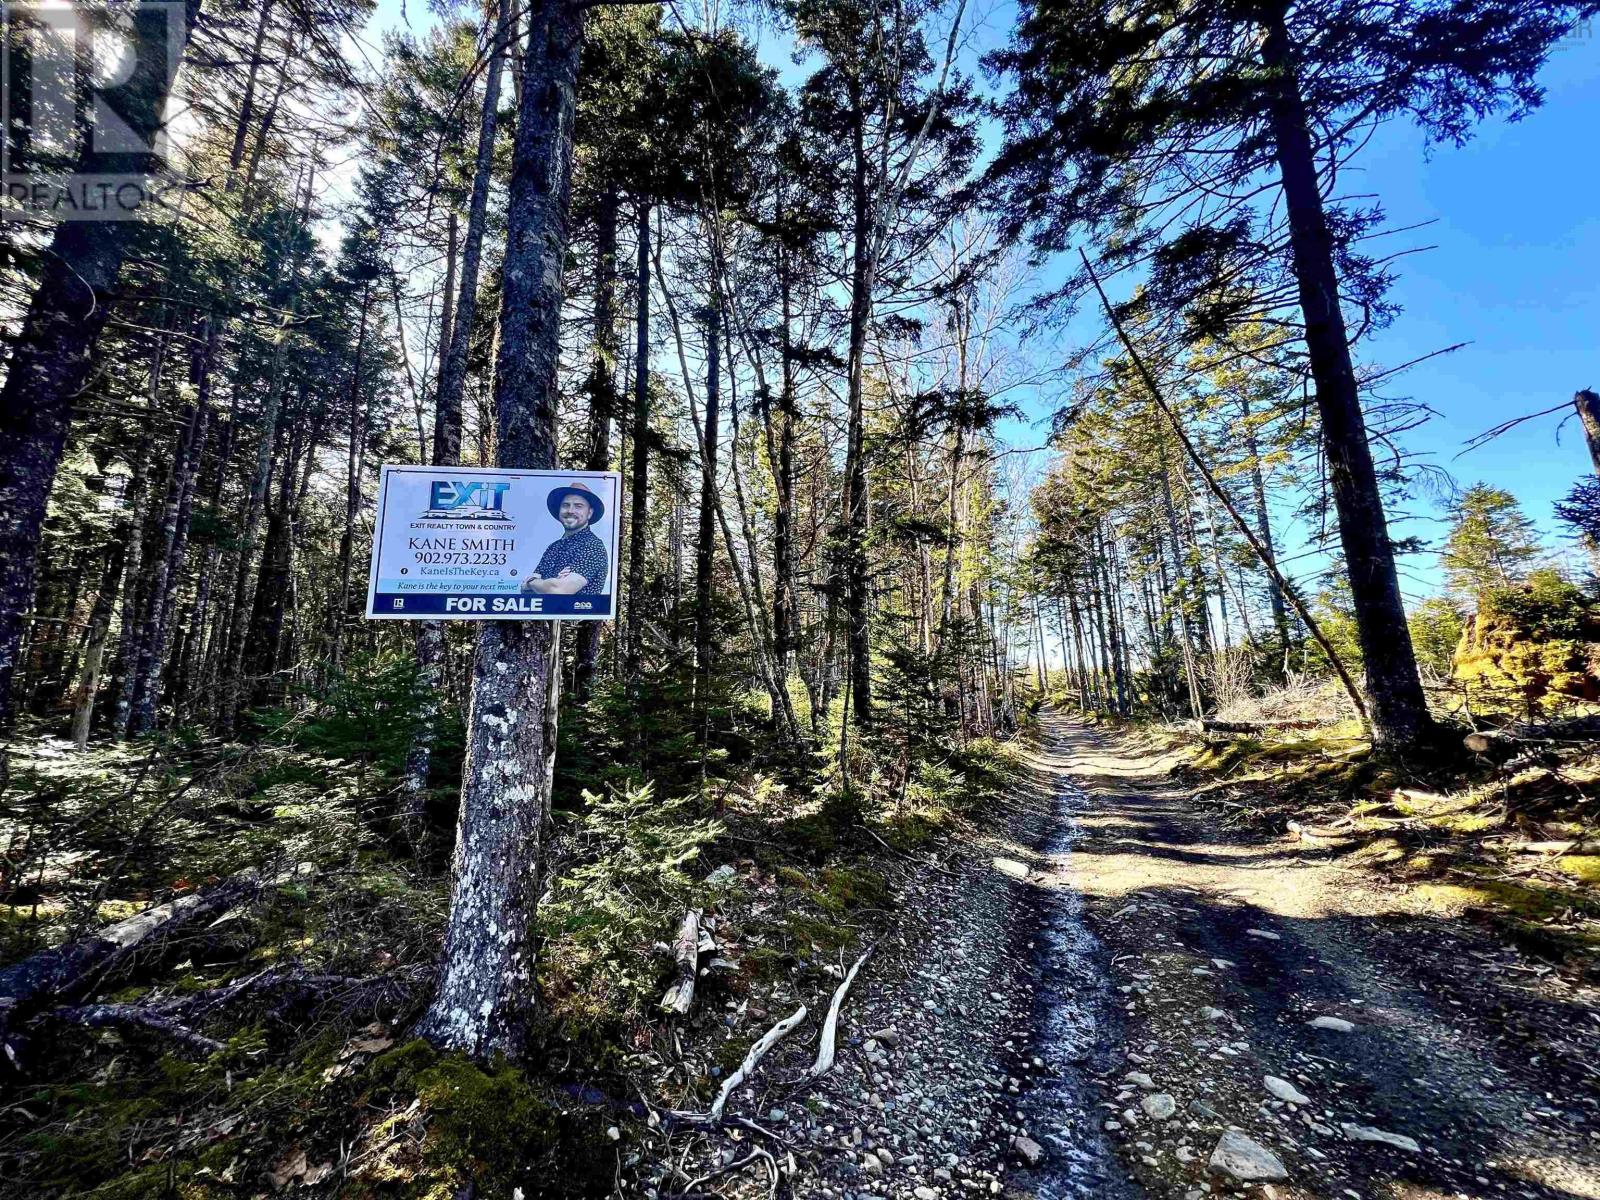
1111, 995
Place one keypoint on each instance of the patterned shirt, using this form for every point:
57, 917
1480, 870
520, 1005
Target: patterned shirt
584, 553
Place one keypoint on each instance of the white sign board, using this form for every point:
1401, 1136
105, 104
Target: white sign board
494, 544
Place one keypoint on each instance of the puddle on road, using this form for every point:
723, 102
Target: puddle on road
1072, 1007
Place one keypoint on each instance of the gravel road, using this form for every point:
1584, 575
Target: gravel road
1105, 993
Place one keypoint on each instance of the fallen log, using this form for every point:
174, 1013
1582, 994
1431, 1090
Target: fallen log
830, 1028
73, 971
1209, 725
686, 950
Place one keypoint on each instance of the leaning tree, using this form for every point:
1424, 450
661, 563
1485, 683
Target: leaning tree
1200, 147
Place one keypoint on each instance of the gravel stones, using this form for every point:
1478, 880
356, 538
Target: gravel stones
1159, 1106
1284, 1090
1245, 1160
1366, 1133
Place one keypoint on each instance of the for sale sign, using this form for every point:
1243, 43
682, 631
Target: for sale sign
494, 544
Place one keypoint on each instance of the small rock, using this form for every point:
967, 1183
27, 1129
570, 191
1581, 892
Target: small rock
1365, 1133
1010, 867
1284, 1090
725, 874
614, 1133
1337, 1024
924, 1193
1159, 1105
889, 1037
1247, 1161
1213, 1014
871, 1164
1264, 933
1140, 1079
1029, 1149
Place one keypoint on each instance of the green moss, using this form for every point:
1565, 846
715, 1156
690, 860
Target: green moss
487, 1120
844, 888
1527, 900
825, 936
764, 963
490, 1123
1585, 868
794, 877
908, 831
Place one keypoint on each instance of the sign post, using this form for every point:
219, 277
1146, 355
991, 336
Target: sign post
494, 544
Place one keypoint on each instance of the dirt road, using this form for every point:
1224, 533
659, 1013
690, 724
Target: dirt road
1110, 985
1409, 1056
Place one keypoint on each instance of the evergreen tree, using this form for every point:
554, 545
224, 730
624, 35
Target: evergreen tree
1123, 117
1491, 543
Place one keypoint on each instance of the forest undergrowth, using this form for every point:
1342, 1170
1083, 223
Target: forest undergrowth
1499, 827
268, 1047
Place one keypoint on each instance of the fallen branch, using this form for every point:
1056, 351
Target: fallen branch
751, 1060
830, 1027
106, 1016
686, 950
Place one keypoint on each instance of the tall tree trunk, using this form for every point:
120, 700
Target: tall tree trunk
1399, 709
1587, 404
94, 650
1186, 628
602, 406
272, 587
355, 454
487, 993
455, 335
639, 505
783, 596
51, 354
139, 495
706, 545
863, 273
447, 327
1258, 492
172, 541
230, 656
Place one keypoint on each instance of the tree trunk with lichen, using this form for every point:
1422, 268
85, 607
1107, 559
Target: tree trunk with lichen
487, 994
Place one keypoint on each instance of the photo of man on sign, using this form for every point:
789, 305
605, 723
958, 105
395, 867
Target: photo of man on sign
576, 563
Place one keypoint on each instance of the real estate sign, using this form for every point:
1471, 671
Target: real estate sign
494, 544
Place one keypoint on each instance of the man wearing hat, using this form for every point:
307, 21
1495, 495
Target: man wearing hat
575, 564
